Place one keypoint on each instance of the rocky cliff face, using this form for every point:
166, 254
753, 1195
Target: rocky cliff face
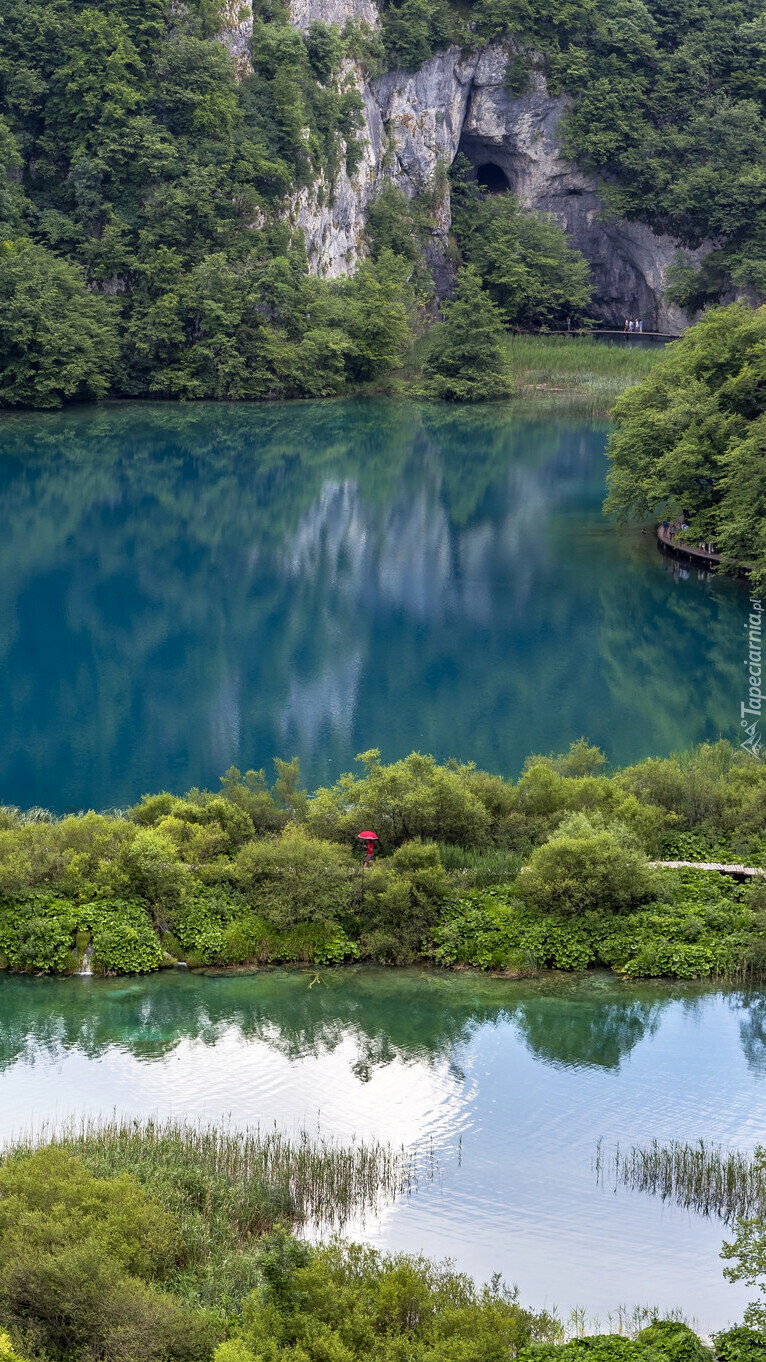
415, 124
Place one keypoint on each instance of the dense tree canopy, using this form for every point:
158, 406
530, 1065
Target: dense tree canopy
692, 437
524, 258
137, 166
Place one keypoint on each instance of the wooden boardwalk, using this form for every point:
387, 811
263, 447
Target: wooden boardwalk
701, 557
749, 871
604, 331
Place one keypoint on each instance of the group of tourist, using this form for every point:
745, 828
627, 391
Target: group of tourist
671, 528
631, 325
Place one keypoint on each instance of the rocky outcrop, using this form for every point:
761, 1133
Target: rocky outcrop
305, 12
414, 125
236, 31
629, 261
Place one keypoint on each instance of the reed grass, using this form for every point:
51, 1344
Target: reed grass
480, 868
227, 1187
730, 1184
594, 371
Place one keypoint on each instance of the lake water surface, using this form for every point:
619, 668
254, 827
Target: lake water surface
187, 587
182, 588
511, 1084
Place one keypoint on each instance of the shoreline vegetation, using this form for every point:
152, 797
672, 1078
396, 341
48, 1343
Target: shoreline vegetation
553, 871
139, 1241
134, 1240
579, 373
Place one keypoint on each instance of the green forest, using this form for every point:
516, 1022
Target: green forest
689, 439
555, 871
144, 248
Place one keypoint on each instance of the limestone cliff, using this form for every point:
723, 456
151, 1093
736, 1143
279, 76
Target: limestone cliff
416, 122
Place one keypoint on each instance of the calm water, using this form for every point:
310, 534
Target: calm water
182, 588
512, 1083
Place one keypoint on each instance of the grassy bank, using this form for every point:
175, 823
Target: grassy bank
552, 870
593, 371
572, 371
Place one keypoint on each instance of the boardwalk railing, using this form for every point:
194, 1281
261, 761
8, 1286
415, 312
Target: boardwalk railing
602, 331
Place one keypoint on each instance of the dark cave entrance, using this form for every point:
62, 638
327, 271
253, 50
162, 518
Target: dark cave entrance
492, 178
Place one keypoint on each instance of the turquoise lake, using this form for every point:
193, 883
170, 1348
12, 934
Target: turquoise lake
509, 1084
183, 588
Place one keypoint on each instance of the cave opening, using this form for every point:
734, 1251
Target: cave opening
492, 178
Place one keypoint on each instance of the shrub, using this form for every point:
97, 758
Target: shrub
585, 866
80, 1257
408, 799
7, 1351
124, 940
669, 1338
148, 867
347, 1301
401, 901
482, 930
38, 934
737, 1345
596, 1348
295, 878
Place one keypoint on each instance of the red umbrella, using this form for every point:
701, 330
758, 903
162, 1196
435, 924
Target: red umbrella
368, 839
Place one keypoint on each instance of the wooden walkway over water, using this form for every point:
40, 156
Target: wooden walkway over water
703, 559
605, 331
667, 538
747, 871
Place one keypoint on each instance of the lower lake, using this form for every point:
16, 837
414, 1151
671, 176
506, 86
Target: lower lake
183, 587
509, 1084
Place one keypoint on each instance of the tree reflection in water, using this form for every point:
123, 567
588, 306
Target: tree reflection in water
413, 1016
183, 587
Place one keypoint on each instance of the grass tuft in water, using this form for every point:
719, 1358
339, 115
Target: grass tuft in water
730, 1184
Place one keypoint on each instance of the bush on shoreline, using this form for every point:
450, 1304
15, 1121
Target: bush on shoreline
550, 871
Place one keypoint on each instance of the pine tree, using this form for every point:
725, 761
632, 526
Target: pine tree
467, 359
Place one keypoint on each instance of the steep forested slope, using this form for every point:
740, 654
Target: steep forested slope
145, 246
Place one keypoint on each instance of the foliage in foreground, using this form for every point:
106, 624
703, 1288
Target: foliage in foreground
551, 871
139, 1243
691, 438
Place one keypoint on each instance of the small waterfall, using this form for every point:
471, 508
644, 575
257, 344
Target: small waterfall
85, 964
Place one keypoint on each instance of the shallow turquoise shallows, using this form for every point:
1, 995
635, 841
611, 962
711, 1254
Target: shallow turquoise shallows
510, 1084
187, 587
